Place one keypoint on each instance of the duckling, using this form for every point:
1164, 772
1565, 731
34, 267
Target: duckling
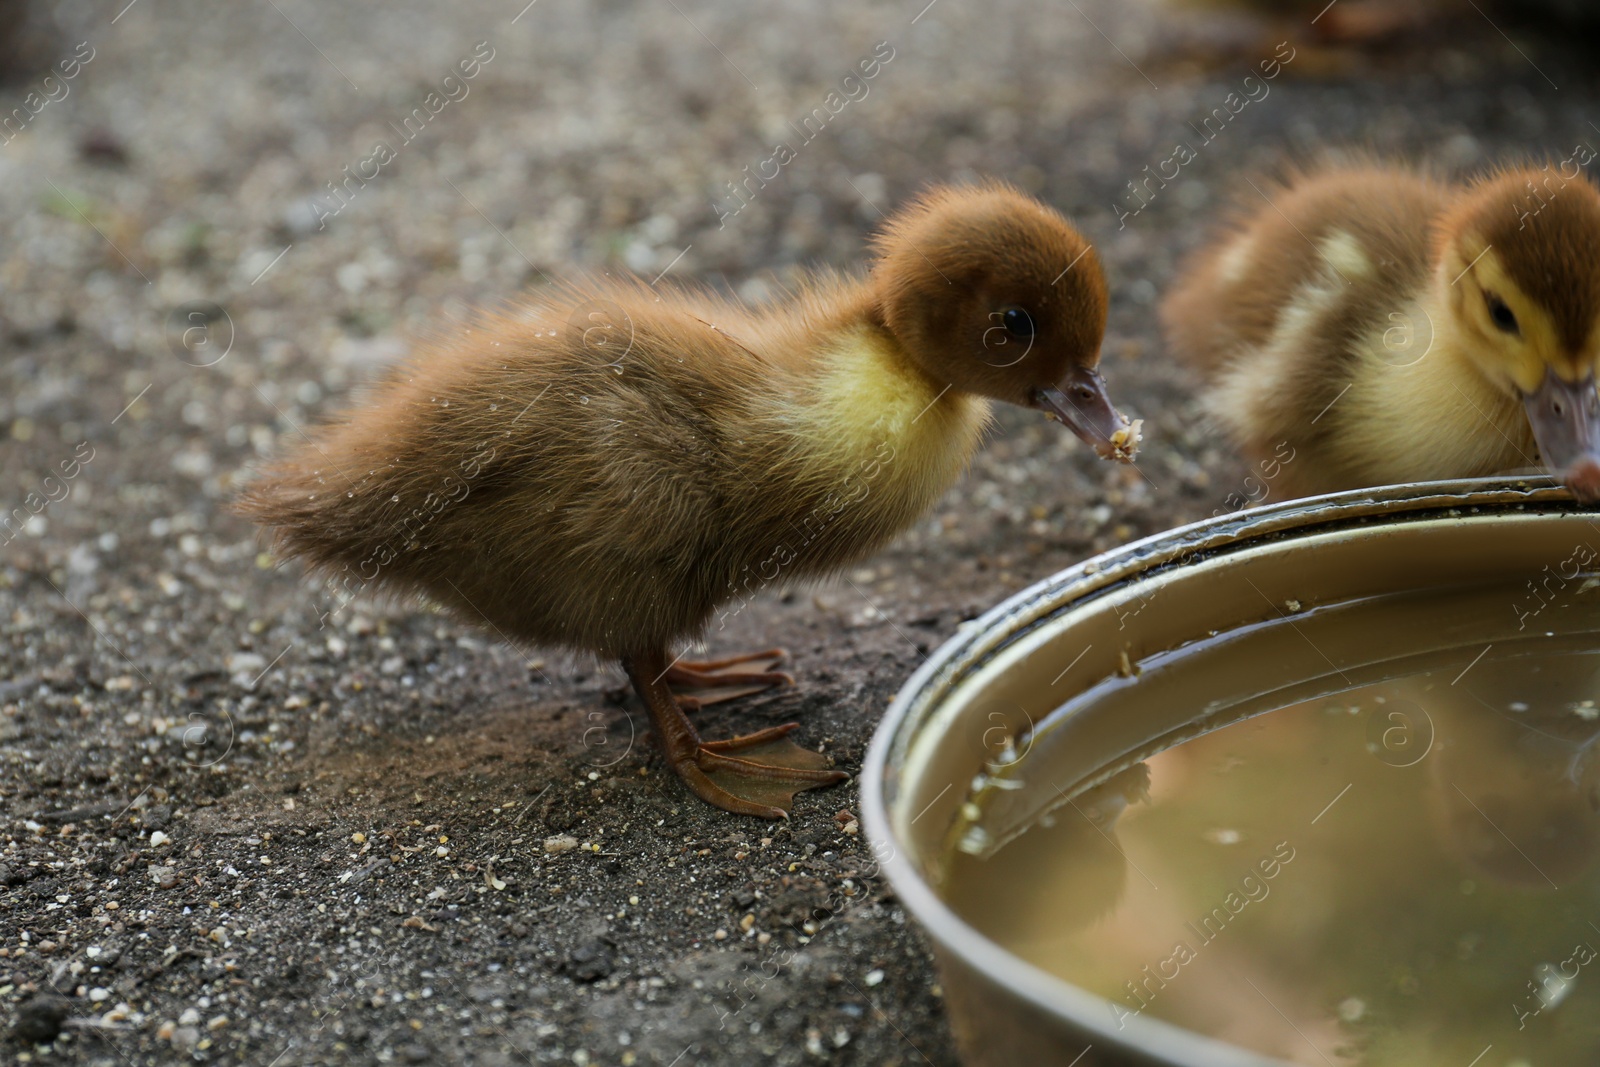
606, 465
1372, 324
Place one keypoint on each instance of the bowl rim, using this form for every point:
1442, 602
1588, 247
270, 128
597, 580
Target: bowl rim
978, 641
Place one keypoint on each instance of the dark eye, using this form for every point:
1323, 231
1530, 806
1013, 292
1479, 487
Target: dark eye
1502, 315
1017, 322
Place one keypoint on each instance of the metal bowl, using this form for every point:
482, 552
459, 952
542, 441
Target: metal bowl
1032, 653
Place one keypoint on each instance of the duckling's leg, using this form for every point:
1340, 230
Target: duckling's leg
761, 779
726, 683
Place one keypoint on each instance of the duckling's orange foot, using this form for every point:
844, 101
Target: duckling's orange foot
757, 774
731, 677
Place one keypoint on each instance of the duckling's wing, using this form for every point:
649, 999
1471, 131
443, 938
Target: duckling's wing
1321, 255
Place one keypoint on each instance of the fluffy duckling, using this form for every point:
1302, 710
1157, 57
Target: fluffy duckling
607, 465
1374, 325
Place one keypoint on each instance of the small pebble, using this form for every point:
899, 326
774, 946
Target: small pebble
39, 1020
590, 961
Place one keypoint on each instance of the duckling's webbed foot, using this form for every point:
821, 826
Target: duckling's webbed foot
756, 774
731, 677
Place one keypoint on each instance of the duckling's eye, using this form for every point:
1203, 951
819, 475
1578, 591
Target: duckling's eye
1500, 314
1017, 322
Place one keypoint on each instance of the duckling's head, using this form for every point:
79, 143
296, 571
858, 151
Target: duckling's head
1521, 258
996, 294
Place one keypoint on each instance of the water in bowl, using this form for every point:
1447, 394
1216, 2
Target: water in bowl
1399, 871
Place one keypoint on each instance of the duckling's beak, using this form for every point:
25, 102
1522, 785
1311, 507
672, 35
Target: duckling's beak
1566, 424
1080, 402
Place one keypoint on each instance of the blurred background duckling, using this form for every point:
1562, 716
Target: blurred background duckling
1372, 324
606, 465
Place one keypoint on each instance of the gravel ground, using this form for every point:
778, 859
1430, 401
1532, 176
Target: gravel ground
231, 835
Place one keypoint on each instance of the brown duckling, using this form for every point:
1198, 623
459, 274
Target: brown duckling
1372, 325
604, 466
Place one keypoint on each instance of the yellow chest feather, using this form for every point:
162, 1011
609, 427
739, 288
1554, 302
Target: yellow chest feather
871, 416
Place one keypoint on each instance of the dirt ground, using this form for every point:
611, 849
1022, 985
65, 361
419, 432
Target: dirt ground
235, 834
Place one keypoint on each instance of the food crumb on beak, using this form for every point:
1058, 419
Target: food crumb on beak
1125, 442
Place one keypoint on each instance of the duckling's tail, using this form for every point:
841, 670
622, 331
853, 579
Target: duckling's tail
307, 511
